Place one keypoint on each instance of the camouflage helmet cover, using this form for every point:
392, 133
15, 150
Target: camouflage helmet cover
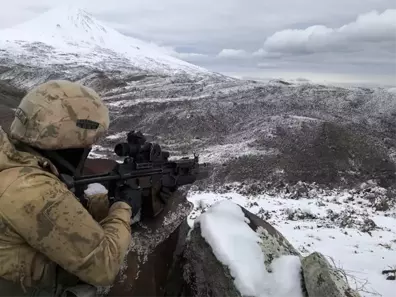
60, 114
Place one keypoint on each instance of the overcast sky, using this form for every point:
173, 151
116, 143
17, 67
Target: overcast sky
332, 40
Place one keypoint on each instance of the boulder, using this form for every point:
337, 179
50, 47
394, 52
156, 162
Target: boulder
196, 271
323, 280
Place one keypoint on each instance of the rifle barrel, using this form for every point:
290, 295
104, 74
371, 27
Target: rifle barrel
104, 178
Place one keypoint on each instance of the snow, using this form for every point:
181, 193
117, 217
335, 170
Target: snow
119, 135
304, 119
128, 102
223, 152
309, 225
98, 151
95, 189
235, 244
286, 278
136, 218
94, 155
68, 34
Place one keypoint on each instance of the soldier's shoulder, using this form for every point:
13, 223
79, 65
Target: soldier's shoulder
20, 184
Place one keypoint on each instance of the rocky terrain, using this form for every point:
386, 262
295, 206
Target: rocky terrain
274, 132
9, 99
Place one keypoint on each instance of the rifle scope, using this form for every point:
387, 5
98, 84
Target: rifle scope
139, 149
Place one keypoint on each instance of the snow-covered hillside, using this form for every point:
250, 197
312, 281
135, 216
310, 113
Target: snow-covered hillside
70, 36
349, 227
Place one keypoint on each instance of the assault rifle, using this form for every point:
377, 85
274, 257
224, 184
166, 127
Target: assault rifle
145, 166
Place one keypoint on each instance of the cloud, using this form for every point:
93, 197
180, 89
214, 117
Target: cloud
334, 36
370, 29
183, 55
232, 53
205, 24
191, 56
265, 65
262, 53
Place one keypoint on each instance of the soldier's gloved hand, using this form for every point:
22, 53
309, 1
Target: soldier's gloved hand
131, 196
97, 201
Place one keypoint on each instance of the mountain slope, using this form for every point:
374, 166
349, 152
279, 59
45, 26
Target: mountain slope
9, 99
71, 36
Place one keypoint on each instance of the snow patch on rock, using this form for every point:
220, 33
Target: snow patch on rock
236, 245
286, 276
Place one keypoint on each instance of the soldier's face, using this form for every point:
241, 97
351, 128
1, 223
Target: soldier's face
73, 156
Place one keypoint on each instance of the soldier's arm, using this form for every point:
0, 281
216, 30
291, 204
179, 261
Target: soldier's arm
98, 201
49, 217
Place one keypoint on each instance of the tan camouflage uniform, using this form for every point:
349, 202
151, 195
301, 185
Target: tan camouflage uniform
41, 222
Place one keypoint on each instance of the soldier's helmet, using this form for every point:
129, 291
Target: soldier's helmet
60, 114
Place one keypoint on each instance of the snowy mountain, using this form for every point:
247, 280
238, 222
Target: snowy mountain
69, 37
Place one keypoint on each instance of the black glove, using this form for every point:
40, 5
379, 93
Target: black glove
131, 196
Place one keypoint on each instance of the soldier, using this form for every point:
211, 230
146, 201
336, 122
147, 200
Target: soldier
49, 242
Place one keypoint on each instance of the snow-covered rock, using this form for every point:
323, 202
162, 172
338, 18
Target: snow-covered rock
232, 252
356, 239
321, 279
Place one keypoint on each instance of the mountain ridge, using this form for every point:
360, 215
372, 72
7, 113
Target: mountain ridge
70, 35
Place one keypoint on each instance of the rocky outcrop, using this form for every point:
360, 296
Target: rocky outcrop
197, 272
323, 280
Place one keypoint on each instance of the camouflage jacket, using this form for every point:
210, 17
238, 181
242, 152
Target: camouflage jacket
43, 226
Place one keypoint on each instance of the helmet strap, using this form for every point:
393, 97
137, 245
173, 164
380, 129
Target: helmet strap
80, 166
57, 157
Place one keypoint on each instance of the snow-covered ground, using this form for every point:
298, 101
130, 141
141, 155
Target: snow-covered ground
342, 226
